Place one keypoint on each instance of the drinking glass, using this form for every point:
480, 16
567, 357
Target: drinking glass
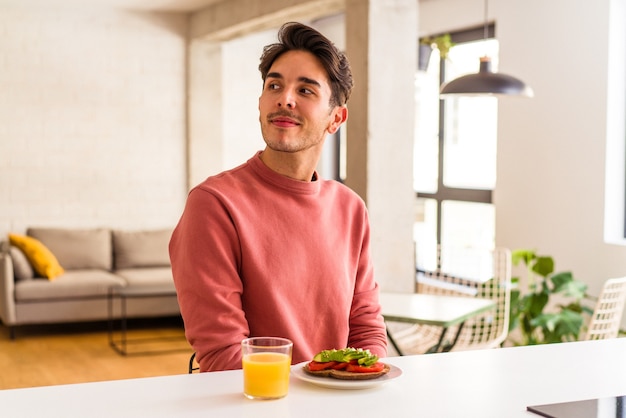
266, 363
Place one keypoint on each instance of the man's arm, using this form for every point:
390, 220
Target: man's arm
205, 257
367, 327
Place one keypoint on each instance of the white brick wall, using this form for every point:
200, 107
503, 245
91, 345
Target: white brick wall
92, 118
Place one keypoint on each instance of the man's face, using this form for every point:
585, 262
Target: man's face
294, 107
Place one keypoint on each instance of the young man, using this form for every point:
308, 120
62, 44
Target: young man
269, 248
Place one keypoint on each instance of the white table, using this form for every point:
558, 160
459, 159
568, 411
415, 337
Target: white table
439, 310
481, 383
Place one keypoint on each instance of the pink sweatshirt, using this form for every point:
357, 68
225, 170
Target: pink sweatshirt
259, 254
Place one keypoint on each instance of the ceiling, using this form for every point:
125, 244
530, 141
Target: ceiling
152, 5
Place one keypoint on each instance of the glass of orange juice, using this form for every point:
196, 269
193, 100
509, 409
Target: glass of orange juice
266, 364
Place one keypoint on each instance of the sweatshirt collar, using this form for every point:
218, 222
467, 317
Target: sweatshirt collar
284, 182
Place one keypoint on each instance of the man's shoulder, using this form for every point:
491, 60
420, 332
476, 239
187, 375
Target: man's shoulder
227, 178
340, 189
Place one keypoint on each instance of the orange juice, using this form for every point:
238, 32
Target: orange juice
266, 375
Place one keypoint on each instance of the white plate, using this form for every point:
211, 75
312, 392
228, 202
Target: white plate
328, 382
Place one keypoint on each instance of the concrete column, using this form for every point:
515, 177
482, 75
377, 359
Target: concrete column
205, 146
381, 43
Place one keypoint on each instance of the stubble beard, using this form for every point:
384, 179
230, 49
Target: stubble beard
282, 142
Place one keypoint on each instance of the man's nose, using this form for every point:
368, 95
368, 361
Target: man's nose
287, 99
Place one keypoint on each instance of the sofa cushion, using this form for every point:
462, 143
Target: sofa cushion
40, 257
147, 276
78, 249
72, 284
22, 270
148, 248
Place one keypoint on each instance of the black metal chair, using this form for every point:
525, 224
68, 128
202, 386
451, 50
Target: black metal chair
192, 364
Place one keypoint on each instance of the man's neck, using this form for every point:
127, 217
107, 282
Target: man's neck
298, 166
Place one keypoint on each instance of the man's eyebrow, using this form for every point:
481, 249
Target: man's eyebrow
310, 81
302, 79
273, 75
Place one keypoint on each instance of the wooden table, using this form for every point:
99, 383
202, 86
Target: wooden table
438, 310
494, 383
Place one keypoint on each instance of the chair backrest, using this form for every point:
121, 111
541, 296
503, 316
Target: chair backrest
193, 365
490, 329
607, 315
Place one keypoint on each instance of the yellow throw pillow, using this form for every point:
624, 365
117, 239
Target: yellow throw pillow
43, 261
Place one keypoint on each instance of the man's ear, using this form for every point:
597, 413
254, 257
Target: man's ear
340, 115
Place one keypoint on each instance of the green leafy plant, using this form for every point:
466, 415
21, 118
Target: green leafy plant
563, 322
442, 42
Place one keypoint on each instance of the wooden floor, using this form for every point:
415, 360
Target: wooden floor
77, 353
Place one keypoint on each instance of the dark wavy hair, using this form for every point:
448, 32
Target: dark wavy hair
296, 36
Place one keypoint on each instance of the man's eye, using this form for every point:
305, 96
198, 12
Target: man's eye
272, 86
306, 91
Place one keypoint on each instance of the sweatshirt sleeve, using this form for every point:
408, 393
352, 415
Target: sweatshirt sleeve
367, 326
205, 258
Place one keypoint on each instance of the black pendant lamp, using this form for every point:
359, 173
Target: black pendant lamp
486, 82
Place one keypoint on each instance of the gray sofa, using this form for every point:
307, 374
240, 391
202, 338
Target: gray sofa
94, 260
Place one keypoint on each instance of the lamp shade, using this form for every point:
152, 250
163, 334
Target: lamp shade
485, 83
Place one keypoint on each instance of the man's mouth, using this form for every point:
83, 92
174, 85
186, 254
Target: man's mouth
283, 121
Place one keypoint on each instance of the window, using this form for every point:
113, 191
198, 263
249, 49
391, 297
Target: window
455, 153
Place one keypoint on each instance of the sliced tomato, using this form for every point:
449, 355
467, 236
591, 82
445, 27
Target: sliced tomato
339, 365
355, 368
316, 366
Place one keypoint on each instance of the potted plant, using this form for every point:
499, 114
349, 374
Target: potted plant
442, 42
537, 326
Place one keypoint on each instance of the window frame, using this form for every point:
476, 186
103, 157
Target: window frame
443, 192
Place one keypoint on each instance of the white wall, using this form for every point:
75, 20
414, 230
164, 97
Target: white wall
550, 192
551, 160
92, 118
